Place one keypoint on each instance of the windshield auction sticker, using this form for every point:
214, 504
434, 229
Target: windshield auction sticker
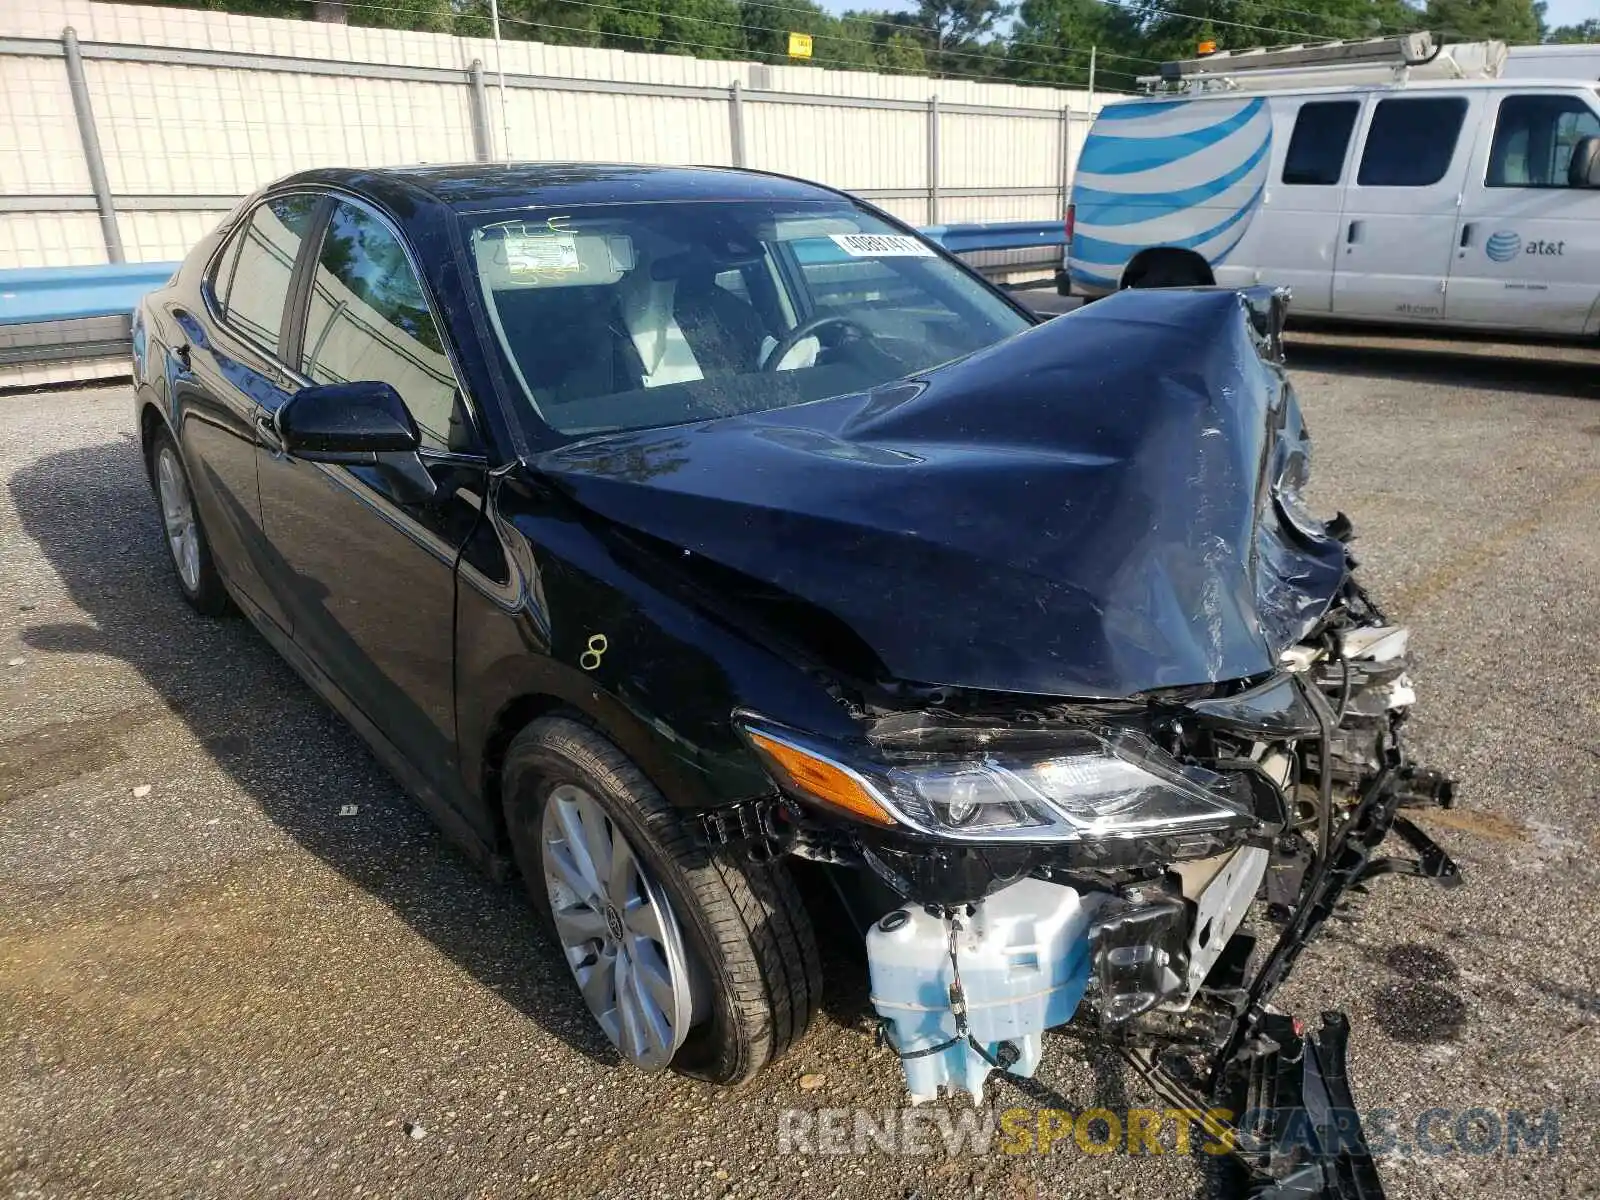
555, 252
880, 245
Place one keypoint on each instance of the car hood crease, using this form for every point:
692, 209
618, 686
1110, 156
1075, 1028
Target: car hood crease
1092, 508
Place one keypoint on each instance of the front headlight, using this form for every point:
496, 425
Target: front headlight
1088, 786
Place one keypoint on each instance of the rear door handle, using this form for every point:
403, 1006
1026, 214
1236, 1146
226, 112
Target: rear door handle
1353, 234
1468, 232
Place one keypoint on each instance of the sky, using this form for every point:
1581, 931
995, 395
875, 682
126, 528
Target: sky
1570, 12
1562, 12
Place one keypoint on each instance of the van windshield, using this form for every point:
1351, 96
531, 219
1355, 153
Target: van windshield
644, 315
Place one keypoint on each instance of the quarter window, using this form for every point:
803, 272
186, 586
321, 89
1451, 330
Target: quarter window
369, 320
255, 289
1534, 138
1411, 141
1317, 146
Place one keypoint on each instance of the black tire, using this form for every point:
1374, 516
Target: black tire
1168, 274
206, 592
744, 922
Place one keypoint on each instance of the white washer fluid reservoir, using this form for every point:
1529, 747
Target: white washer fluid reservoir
1024, 960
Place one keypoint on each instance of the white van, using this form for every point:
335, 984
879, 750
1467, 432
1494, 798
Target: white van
1465, 200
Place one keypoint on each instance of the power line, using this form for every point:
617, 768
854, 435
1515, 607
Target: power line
832, 37
846, 64
1149, 8
826, 37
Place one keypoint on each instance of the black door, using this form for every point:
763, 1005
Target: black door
225, 375
367, 572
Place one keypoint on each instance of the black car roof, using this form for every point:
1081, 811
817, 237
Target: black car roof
484, 187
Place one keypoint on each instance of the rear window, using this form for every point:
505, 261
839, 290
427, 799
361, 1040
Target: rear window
1412, 141
1317, 146
254, 296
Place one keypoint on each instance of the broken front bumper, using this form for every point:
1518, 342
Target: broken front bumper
1279, 1098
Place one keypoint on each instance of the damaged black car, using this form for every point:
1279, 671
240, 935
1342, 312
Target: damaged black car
670, 532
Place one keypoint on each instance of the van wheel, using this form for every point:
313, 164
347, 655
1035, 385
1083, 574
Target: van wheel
1169, 269
686, 957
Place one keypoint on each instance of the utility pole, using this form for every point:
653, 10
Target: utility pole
1092, 50
500, 69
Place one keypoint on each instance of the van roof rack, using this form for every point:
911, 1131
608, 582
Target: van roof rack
1411, 56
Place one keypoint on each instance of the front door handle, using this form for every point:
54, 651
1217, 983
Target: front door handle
1353, 234
1468, 232
182, 354
268, 432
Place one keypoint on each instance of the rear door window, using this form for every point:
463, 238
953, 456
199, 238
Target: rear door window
1412, 141
1534, 138
1317, 146
369, 321
257, 286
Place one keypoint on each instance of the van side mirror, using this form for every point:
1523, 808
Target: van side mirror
1584, 170
346, 422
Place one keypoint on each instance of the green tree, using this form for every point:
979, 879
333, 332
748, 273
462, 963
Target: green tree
840, 44
900, 53
1511, 21
1584, 31
956, 30
1052, 39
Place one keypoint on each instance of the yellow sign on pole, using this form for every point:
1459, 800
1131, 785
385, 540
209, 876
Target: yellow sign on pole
799, 45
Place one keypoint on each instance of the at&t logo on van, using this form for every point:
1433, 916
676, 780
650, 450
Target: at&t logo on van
1508, 244
1503, 246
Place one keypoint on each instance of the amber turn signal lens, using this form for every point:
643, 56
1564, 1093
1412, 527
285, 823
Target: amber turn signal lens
822, 780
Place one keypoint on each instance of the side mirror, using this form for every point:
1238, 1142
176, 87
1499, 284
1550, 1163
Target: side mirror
344, 422
1584, 170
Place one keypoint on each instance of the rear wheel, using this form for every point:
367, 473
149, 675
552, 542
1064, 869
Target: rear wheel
188, 550
687, 958
1165, 269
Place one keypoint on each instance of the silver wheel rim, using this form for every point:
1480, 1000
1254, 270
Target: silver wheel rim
617, 930
177, 513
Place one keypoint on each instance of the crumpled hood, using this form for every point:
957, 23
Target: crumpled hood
1087, 509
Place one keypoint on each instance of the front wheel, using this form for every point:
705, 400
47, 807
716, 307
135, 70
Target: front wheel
686, 957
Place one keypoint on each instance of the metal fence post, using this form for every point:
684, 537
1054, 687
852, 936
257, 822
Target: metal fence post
933, 160
1066, 156
482, 148
736, 122
91, 146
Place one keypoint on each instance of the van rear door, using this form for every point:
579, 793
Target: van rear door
1528, 243
1398, 227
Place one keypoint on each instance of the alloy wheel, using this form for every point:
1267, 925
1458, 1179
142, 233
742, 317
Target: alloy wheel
177, 514
617, 930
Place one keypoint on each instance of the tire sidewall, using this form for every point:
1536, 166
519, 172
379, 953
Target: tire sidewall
714, 1049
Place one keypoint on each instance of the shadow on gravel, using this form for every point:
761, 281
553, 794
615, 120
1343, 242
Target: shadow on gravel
92, 514
1426, 363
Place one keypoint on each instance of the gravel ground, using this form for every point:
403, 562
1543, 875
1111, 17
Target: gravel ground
211, 984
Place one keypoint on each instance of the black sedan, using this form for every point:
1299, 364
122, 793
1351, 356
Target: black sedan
659, 526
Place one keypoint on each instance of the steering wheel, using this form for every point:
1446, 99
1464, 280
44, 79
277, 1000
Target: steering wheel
804, 330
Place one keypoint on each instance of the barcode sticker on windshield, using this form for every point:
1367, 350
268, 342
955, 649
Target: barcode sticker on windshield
880, 245
553, 252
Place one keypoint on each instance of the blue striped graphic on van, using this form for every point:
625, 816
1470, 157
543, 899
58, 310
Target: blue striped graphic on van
1186, 173
1095, 250
1108, 155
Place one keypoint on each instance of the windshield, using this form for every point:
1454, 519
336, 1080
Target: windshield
644, 315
